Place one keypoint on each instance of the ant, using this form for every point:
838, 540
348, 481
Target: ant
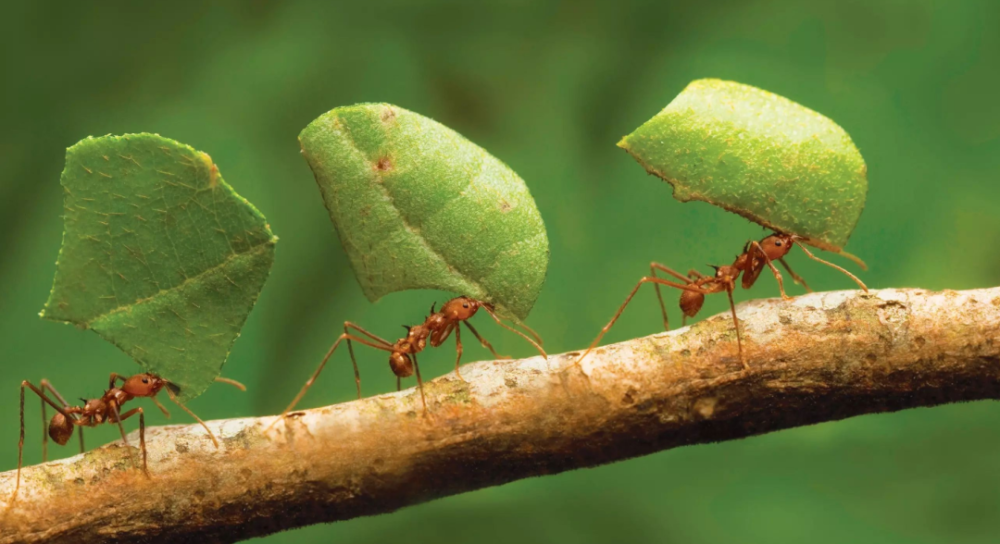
106, 409
403, 353
755, 256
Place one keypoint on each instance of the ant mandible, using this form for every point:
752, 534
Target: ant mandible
403, 353
106, 409
755, 256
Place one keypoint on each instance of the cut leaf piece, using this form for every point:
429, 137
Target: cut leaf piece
760, 155
160, 256
417, 206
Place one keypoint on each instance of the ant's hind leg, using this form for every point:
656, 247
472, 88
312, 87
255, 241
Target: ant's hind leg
20, 442
653, 267
350, 349
47, 385
631, 295
20, 448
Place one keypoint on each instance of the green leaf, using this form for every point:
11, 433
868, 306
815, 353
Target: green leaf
160, 256
417, 206
760, 155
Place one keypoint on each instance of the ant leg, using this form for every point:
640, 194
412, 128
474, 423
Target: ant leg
161, 407
118, 419
173, 398
20, 448
777, 275
142, 434
695, 275
319, 369
399, 384
420, 383
484, 343
515, 331
114, 379
45, 431
231, 382
532, 332
647, 279
739, 340
350, 349
20, 443
458, 351
795, 277
653, 267
47, 385
659, 297
815, 258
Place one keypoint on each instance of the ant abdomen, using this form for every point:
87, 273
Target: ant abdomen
401, 364
60, 429
691, 302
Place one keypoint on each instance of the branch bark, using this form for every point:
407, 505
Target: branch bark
819, 357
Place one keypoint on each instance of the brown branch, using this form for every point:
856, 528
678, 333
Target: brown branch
819, 357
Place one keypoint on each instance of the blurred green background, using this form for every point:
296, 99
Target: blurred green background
548, 88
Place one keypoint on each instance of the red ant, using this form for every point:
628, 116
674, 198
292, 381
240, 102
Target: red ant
106, 409
755, 256
403, 353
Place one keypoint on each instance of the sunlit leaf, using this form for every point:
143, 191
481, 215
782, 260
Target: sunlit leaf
757, 154
417, 206
160, 256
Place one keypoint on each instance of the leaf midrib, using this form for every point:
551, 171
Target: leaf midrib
124, 307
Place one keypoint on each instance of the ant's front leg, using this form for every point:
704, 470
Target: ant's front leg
458, 350
795, 277
777, 275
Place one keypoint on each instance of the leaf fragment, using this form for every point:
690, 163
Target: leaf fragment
418, 206
160, 256
760, 155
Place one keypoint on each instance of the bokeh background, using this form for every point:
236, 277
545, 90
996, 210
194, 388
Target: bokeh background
548, 87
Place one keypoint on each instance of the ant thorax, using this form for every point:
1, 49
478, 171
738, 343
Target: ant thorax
95, 409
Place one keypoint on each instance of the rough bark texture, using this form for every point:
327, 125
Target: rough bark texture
819, 357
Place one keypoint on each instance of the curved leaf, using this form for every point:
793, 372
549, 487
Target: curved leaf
757, 154
160, 256
417, 206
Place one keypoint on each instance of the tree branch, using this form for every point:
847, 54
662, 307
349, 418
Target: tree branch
819, 357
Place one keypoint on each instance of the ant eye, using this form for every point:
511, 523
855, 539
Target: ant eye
145, 380
465, 305
777, 243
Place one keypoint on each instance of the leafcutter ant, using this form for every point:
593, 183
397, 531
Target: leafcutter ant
750, 263
403, 353
106, 409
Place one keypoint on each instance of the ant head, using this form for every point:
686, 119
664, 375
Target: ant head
144, 385
60, 429
401, 364
777, 245
460, 308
